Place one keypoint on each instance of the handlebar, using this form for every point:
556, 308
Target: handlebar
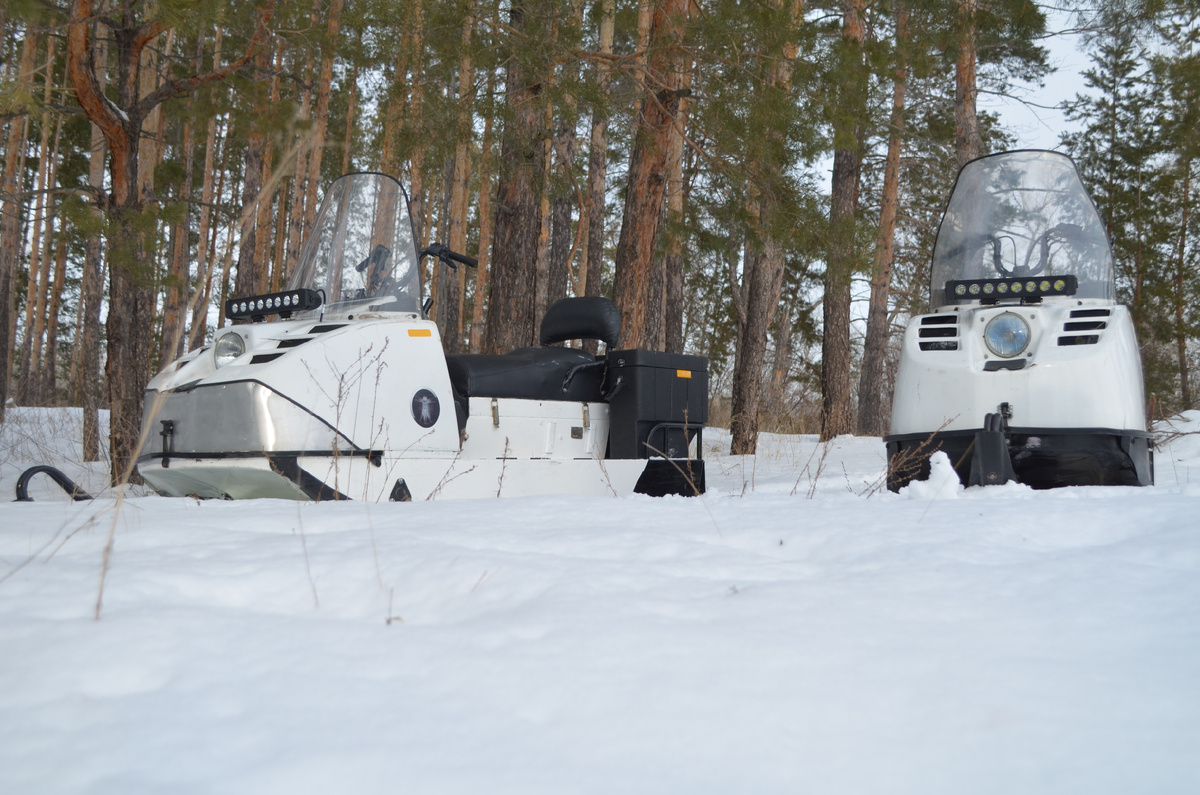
443, 253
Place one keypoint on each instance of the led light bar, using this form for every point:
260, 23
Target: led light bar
257, 307
990, 291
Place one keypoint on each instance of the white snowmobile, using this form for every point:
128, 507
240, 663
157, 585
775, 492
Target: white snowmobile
1026, 369
346, 393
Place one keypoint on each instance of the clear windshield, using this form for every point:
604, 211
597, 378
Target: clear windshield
361, 251
1019, 214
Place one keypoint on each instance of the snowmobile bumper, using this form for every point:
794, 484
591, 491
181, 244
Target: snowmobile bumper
1043, 458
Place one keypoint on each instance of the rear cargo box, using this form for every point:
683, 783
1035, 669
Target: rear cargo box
658, 403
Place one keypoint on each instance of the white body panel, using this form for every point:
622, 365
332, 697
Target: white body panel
360, 378
1061, 386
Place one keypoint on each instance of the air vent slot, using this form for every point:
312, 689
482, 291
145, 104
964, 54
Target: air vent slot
293, 343
938, 332
1091, 312
327, 328
1085, 325
940, 320
940, 345
1083, 339
263, 358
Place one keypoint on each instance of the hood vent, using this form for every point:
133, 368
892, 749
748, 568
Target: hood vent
1077, 325
939, 333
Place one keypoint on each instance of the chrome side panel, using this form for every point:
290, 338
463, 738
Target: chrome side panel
242, 417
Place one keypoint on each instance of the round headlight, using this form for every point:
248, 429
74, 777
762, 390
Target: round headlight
228, 347
1007, 335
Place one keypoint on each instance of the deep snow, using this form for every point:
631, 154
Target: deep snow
798, 629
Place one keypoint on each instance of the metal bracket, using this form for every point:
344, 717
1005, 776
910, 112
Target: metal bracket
168, 430
495, 413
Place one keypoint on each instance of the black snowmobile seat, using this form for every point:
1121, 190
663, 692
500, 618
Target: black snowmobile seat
527, 373
545, 372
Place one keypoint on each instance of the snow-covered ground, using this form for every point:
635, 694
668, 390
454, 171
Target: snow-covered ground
796, 630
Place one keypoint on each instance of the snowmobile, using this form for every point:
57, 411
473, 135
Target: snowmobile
338, 388
1026, 367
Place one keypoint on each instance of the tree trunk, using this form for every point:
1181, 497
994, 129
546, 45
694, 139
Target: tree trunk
251, 268
270, 209
485, 225
764, 269
511, 321
39, 260
456, 223
11, 211
321, 115
968, 144
49, 384
563, 194
1179, 298
296, 225
416, 167
673, 258
836, 406
131, 303
204, 249
593, 251
872, 404
765, 281
175, 290
92, 288
637, 288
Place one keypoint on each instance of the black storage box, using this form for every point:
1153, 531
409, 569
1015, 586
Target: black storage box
658, 403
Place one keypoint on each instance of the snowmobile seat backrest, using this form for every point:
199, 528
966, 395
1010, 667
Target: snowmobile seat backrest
586, 318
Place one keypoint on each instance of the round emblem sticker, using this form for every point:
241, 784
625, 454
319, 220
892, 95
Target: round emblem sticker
425, 408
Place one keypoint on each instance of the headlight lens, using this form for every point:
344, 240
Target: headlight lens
1007, 335
228, 347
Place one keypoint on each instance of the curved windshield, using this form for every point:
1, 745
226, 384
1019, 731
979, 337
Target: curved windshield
1021, 214
361, 251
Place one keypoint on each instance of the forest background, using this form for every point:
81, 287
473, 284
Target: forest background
756, 181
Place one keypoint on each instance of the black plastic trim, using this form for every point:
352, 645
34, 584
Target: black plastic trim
1005, 364
1084, 325
263, 358
1082, 339
940, 320
1042, 458
374, 456
313, 487
65, 483
937, 332
664, 476
1021, 431
1091, 312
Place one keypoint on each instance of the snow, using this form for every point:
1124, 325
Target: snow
797, 629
